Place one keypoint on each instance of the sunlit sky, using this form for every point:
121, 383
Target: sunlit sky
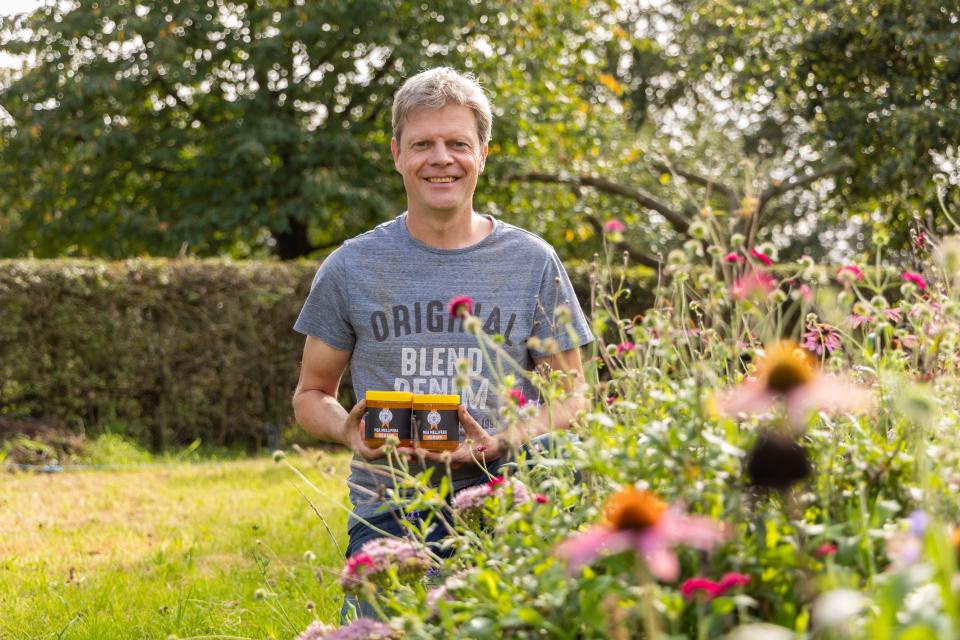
8, 7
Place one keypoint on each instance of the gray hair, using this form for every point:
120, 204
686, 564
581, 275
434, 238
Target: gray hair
435, 89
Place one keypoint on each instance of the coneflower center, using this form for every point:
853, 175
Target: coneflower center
634, 509
787, 367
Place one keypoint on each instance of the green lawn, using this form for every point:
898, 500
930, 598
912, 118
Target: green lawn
214, 549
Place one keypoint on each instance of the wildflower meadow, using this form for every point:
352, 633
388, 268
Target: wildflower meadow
771, 451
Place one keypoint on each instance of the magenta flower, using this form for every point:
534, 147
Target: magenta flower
916, 279
638, 521
805, 292
761, 256
713, 589
625, 347
821, 338
613, 226
518, 396
734, 258
856, 321
460, 306
826, 549
753, 284
849, 272
690, 587
541, 499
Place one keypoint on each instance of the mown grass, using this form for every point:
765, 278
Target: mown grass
213, 549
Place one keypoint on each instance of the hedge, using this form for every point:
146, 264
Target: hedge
168, 351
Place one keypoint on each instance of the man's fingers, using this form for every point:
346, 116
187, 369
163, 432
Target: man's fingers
471, 427
358, 409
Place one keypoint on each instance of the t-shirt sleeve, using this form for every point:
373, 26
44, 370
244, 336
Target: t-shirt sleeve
326, 312
570, 327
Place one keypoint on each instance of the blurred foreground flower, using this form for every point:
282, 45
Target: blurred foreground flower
613, 226
849, 273
638, 521
472, 499
761, 256
711, 589
753, 284
789, 373
362, 629
375, 559
777, 462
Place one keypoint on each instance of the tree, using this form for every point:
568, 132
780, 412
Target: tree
162, 126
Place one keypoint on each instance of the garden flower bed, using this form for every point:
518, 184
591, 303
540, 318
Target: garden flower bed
771, 453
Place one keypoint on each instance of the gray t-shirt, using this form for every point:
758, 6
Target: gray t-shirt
383, 296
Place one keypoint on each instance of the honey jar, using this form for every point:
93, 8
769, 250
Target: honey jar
388, 414
436, 425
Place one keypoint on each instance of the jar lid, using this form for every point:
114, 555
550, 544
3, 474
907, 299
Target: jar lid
436, 398
389, 396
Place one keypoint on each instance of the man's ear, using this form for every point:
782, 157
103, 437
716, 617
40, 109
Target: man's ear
395, 150
483, 157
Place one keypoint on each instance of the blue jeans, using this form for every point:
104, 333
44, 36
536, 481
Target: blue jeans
360, 533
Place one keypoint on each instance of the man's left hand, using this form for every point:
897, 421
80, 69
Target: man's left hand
478, 446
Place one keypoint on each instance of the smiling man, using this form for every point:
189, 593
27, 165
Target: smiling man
379, 305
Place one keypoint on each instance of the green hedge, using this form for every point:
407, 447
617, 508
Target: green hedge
168, 351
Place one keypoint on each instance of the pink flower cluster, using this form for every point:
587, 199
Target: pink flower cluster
361, 629
735, 258
711, 589
377, 556
473, 498
821, 338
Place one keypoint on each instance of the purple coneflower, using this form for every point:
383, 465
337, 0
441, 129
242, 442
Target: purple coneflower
473, 498
638, 521
821, 338
788, 373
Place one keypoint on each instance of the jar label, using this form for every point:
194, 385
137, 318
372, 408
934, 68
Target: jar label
431, 425
382, 423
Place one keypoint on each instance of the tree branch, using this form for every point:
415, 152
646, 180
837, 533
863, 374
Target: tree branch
795, 183
733, 198
676, 220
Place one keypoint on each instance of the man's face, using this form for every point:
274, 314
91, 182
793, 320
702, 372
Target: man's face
439, 156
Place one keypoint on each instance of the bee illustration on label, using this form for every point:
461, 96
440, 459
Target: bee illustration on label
386, 416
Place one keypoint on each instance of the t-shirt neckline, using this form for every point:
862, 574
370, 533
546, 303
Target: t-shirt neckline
402, 219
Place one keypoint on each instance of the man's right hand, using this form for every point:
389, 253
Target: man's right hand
353, 433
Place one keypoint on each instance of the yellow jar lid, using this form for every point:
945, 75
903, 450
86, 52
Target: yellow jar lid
436, 398
389, 396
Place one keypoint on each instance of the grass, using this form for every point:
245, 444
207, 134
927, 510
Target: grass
212, 549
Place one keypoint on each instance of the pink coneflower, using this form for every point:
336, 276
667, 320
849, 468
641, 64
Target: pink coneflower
826, 549
916, 279
734, 258
805, 292
625, 347
638, 521
788, 373
460, 306
849, 272
893, 315
821, 338
518, 396
733, 579
377, 556
752, 284
856, 320
761, 256
473, 498
613, 226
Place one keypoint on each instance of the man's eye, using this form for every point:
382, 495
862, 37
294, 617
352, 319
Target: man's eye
460, 144
419, 145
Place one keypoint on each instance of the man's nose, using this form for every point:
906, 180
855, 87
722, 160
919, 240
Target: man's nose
439, 154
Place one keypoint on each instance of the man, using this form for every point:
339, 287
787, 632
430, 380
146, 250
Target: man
379, 304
